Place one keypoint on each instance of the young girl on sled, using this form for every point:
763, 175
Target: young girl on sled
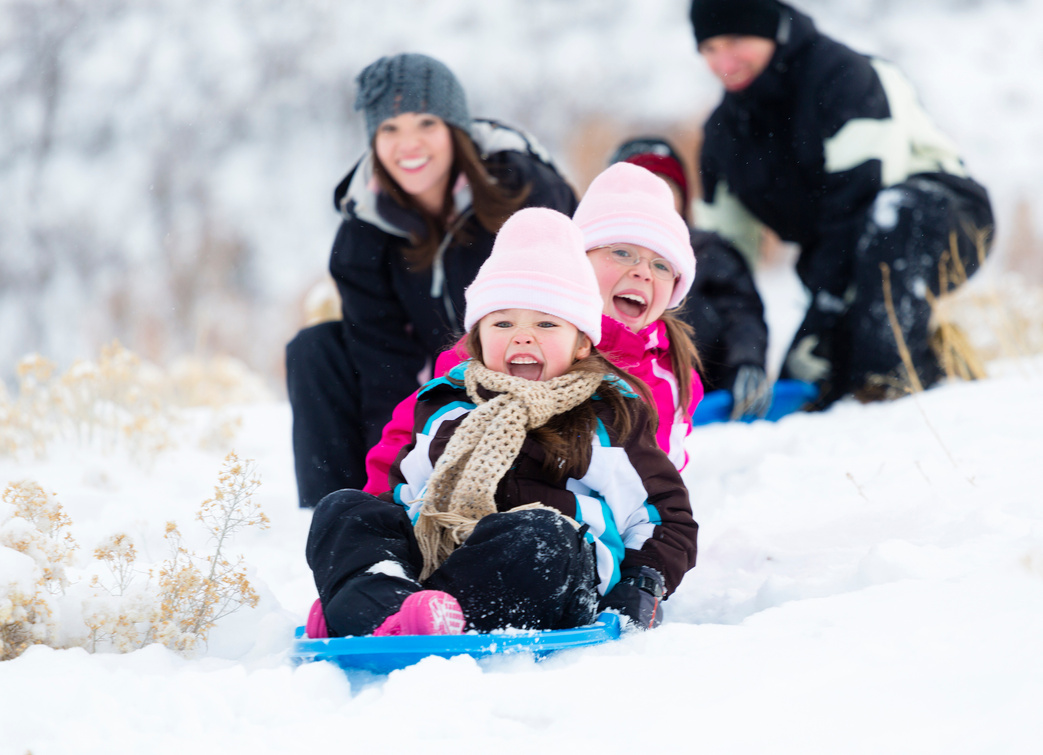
533, 493
642, 255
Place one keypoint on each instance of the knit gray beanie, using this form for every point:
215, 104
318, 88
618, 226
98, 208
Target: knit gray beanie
410, 83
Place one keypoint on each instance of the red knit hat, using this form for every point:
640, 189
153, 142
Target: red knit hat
657, 155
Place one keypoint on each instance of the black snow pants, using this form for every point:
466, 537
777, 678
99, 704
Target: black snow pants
846, 343
329, 437
526, 569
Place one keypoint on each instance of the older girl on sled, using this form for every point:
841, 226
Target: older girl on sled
642, 256
533, 493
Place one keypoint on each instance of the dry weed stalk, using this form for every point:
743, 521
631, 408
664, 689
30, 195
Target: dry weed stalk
127, 621
215, 382
121, 402
37, 527
1003, 317
191, 593
117, 398
914, 385
25, 620
956, 353
118, 554
116, 401
999, 317
25, 422
197, 592
914, 380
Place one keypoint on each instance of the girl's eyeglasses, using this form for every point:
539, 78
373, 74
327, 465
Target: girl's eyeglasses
660, 268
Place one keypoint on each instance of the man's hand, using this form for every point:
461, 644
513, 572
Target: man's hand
751, 392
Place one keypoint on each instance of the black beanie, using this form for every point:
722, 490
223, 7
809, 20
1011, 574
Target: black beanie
755, 18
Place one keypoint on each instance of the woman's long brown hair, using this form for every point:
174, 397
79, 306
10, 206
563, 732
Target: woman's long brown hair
567, 439
491, 201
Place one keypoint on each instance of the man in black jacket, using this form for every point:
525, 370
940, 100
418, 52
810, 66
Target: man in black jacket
831, 149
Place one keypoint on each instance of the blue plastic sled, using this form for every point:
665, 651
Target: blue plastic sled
788, 396
384, 654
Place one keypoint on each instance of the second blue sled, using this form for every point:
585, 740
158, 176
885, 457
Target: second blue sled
788, 396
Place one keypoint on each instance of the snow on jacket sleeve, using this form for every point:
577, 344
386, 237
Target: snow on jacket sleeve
398, 431
637, 507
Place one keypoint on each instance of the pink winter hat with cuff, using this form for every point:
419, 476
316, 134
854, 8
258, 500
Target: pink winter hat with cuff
627, 204
538, 262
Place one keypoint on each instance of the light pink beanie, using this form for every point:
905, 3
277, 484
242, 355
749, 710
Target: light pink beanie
627, 204
538, 262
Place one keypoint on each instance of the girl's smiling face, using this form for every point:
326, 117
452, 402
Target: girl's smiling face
530, 344
633, 294
416, 149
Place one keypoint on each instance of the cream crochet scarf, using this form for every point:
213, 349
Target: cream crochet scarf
462, 487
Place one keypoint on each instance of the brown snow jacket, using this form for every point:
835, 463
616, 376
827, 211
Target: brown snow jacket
631, 496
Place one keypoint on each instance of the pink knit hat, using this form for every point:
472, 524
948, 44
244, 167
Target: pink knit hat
627, 204
538, 262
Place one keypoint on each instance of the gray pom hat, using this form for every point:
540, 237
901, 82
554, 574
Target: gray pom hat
410, 83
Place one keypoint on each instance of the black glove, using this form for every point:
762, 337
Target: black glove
751, 392
638, 596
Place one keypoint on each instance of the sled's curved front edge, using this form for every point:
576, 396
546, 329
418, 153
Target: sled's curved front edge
383, 654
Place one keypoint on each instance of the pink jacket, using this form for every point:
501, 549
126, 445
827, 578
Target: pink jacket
645, 355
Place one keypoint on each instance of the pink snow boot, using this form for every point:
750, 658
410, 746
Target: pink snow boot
316, 626
424, 612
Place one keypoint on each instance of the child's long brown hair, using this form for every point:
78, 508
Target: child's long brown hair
567, 439
683, 356
491, 201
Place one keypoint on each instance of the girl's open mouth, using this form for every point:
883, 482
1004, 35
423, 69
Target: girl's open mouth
630, 305
525, 367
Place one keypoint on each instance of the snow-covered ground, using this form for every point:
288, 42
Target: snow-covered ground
870, 580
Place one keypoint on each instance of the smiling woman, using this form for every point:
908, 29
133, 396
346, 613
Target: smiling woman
416, 150
420, 211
